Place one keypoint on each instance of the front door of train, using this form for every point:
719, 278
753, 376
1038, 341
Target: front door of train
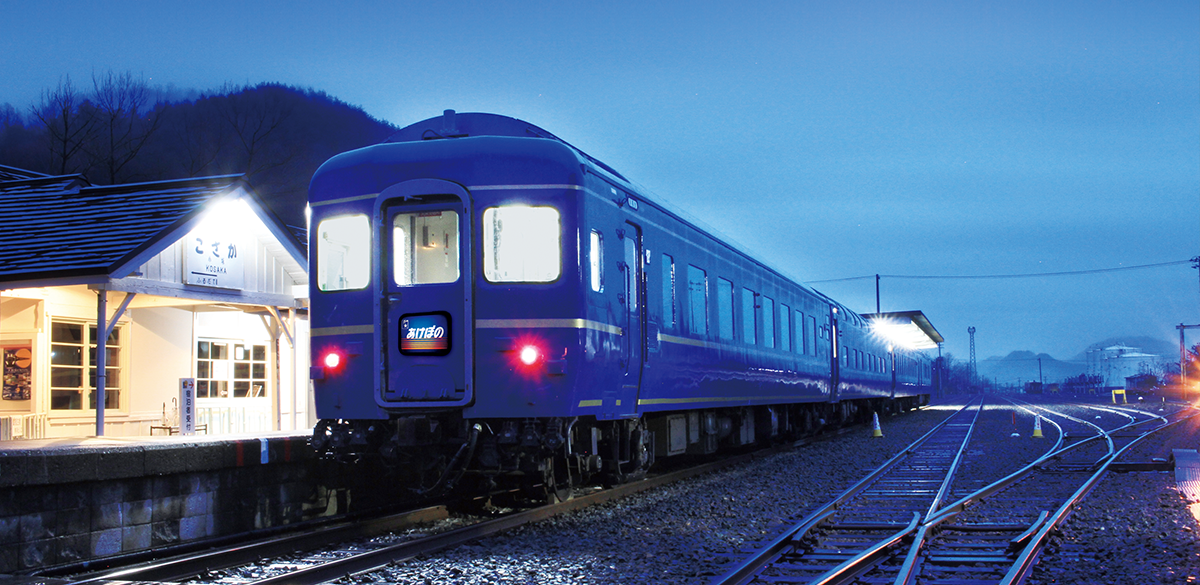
426, 301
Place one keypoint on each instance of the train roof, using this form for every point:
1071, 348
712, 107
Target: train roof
452, 124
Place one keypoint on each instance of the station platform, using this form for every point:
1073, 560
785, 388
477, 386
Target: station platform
76, 502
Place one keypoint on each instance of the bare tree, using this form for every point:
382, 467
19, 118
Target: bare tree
257, 117
125, 119
68, 125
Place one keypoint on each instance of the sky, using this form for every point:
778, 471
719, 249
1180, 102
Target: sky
832, 140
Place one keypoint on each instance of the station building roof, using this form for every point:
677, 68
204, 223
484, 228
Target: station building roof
61, 231
910, 329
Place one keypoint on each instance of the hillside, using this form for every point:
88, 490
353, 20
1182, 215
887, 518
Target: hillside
1022, 366
275, 134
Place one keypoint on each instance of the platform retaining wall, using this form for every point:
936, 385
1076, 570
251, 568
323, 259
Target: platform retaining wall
66, 506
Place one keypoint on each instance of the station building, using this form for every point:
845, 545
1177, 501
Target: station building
191, 278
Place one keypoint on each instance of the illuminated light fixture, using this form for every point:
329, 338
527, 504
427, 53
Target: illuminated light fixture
907, 330
529, 355
332, 360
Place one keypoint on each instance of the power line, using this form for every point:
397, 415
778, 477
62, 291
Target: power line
1004, 276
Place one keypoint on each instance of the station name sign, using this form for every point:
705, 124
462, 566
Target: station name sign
214, 257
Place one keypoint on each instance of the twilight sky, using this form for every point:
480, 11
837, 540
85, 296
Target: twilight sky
831, 139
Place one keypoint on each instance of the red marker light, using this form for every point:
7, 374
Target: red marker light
529, 355
332, 360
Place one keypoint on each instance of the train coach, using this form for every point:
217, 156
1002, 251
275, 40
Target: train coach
490, 302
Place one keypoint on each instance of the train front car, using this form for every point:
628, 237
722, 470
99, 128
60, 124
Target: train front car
446, 303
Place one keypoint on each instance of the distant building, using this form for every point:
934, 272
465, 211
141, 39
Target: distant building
1115, 363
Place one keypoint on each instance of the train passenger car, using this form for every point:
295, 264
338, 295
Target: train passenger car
489, 301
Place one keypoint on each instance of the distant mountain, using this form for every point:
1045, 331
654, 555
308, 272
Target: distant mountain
1022, 366
1150, 345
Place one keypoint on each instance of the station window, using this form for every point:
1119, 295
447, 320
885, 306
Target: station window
668, 291
522, 244
697, 301
69, 361
344, 253
229, 369
724, 308
785, 327
425, 247
749, 316
596, 261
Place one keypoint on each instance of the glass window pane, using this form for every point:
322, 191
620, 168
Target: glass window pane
66, 377
749, 315
668, 291
260, 353
521, 244
220, 351
596, 261
202, 388
241, 371
259, 372
66, 355
698, 301
66, 400
724, 308
202, 350
343, 253
240, 353
634, 265
241, 389
767, 308
66, 333
425, 247
785, 329
203, 369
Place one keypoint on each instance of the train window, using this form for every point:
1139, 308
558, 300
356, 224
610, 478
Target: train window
768, 321
344, 253
785, 327
812, 330
698, 301
749, 316
596, 261
668, 290
425, 247
521, 244
634, 265
724, 308
802, 342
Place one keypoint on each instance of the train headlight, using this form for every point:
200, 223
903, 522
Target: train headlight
529, 355
332, 360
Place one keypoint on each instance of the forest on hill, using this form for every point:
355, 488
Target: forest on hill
121, 130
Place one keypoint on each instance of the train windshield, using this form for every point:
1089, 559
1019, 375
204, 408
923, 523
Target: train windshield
425, 247
344, 253
522, 244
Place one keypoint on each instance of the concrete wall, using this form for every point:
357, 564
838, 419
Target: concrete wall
63, 506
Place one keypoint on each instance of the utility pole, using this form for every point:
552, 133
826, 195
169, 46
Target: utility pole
974, 371
876, 294
1041, 380
1183, 359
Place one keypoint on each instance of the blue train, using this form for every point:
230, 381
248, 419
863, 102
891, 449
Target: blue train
488, 301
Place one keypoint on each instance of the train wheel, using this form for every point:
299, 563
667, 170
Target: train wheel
559, 487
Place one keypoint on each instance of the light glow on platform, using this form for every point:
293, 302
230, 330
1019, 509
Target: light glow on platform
902, 334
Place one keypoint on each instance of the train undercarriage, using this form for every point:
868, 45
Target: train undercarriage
544, 459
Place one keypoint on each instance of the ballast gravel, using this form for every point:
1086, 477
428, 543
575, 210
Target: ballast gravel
694, 530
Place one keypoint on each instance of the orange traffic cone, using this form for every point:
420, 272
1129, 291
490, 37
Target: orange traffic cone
875, 430
1037, 427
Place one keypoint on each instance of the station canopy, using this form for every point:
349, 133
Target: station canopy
907, 329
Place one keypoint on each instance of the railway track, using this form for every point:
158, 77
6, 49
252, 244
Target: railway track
991, 535
332, 552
